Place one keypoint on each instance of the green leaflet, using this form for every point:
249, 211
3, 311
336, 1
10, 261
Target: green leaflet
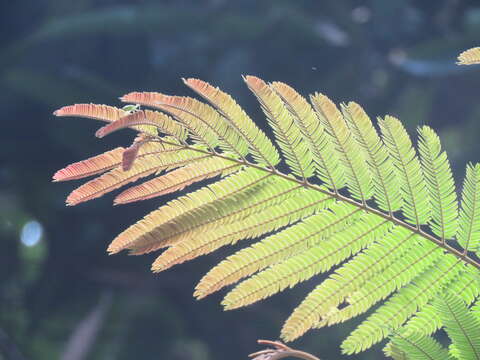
393, 314
416, 204
332, 292
461, 325
288, 136
260, 146
357, 175
426, 321
275, 249
270, 219
440, 185
318, 258
414, 347
323, 154
380, 286
385, 183
468, 233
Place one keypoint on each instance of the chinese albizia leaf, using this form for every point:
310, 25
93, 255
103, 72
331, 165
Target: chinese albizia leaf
319, 258
164, 123
263, 198
385, 183
260, 146
469, 57
461, 325
288, 136
324, 156
100, 112
187, 211
397, 309
378, 287
354, 198
274, 249
417, 347
468, 232
346, 280
357, 174
416, 204
198, 128
427, 321
117, 177
91, 166
440, 185
177, 179
289, 211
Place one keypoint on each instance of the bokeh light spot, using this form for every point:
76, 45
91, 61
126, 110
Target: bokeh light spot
31, 233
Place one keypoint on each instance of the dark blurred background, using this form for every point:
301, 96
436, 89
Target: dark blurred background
61, 296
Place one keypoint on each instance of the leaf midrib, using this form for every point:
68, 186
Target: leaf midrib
458, 254
464, 332
418, 347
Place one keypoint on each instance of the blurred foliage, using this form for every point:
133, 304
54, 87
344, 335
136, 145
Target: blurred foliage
392, 57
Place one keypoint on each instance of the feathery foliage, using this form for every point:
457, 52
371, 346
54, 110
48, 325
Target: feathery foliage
355, 197
469, 57
461, 324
